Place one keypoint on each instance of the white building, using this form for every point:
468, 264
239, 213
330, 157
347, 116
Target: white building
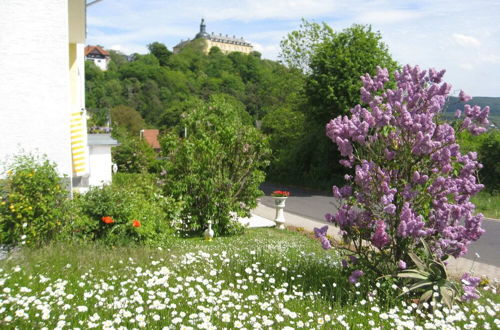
99, 56
100, 159
42, 95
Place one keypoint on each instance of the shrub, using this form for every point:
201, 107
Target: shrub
217, 169
134, 155
130, 211
412, 186
489, 155
32, 200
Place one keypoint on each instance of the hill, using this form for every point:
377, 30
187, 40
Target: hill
493, 102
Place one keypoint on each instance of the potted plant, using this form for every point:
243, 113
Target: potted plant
279, 202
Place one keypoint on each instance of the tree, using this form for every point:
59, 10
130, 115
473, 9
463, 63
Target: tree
299, 46
217, 169
336, 61
161, 52
336, 66
127, 118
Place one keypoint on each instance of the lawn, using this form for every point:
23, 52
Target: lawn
265, 279
488, 204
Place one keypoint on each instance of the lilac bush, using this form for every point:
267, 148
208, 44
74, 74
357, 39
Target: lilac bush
410, 179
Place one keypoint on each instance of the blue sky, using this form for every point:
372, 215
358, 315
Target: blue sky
461, 36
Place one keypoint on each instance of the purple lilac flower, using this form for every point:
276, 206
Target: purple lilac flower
410, 111
469, 285
380, 238
390, 209
355, 275
464, 97
401, 264
325, 243
320, 232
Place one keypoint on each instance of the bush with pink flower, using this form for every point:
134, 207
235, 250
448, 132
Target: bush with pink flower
411, 183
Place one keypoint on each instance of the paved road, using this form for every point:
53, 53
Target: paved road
314, 205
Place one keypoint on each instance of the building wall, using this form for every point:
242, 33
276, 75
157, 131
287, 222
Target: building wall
225, 48
228, 48
35, 84
100, 165
100, 62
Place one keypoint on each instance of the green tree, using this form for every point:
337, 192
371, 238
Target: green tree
298, 47
128, 118
134, 155
217, 169
336, 65
160, 51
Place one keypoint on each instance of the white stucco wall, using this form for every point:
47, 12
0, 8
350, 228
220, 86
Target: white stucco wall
101, 63
100, 165
34, 85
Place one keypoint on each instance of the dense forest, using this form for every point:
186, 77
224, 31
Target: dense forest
291, 100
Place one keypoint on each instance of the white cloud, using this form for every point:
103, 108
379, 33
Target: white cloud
270, 51
490, 58
464, 40
430, 33
466, 66
387, 16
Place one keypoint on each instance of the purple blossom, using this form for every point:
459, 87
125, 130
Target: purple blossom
464, 97
390, 209
355, 275
380, 238
401, 265
320, 232
325, 243
469, 285
426, 194
353, 259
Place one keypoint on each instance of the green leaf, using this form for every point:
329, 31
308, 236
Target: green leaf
426, 295
414, 274
418, 262
420, 284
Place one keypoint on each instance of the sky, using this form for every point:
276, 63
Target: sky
461, 36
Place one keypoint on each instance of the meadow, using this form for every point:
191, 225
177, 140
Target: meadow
265, 279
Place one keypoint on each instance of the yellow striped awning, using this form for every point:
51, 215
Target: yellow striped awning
78, 144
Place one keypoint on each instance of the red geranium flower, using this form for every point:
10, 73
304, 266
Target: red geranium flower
107, 220
136, 223
279, 193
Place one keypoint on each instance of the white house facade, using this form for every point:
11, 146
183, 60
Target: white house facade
42, 97
100, 162
99, 56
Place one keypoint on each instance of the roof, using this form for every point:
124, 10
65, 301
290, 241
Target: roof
101, 140
95, 49
228, 40
151, 137
216, 38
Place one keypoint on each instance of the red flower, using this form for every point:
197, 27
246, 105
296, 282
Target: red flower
136, 223
279, 193
107, 220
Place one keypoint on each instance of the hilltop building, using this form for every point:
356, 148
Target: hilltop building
99, 56
225, 43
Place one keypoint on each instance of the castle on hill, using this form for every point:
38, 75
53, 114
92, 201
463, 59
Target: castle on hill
225, 43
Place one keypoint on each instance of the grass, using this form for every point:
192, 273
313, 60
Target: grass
488, 204
266, 278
